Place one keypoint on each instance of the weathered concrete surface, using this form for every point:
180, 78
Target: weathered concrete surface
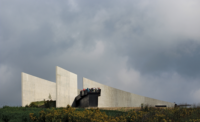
78, 91
112, 97
66, 86
36, 89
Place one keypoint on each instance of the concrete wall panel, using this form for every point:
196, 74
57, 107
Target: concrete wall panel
112, 97
66, 86
136, 100
154, 102
36, 89
78, 91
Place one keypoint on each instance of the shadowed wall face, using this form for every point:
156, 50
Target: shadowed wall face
112, 97
36, 89
66, 86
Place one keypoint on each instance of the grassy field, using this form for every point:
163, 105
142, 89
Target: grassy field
20, 114
147, 114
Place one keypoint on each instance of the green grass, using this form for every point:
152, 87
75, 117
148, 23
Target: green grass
20, 114
39, 103
16, 114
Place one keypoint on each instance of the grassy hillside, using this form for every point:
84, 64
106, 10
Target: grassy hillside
147, 114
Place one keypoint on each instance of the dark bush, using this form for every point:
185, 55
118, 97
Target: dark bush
6, 106
6, 118
24, 118
49, 104
33, 105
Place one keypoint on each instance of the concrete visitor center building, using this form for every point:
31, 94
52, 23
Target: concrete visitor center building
65, 90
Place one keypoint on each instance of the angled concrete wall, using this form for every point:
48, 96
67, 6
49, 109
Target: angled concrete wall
78, 91
66, 86
36, 89
112, 97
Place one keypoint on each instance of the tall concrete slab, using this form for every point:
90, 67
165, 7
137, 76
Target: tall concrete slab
112, 97
66, 87
36, 89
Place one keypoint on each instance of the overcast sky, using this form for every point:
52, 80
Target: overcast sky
147, 47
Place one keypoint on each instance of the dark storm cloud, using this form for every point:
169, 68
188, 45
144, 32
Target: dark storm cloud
138, 46
183, 58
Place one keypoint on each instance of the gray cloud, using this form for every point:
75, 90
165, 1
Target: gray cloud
182, 58
150, 48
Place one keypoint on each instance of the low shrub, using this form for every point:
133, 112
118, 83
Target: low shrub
49, 103
33, 105
6, 117
6, 106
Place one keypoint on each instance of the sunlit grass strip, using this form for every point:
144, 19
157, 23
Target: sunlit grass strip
39, 103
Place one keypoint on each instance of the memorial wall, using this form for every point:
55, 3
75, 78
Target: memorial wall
36, 89
112, 97
65, 90
66, 87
